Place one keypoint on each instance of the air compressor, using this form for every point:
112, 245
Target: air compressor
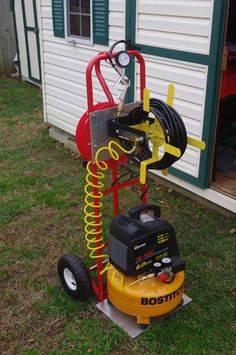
147, 274
140, 255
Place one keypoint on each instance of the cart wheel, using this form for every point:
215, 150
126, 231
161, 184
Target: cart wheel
74, 277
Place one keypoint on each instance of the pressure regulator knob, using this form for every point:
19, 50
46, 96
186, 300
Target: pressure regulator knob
166, 262
157, 267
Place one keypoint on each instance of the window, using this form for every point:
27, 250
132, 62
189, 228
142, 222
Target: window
79, 19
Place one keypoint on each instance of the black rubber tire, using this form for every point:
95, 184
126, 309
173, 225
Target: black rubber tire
82, 285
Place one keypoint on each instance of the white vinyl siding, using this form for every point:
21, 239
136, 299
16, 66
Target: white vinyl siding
64, 68
189, 80
175, 24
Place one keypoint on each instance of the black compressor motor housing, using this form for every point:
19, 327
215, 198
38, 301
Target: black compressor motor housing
136, 242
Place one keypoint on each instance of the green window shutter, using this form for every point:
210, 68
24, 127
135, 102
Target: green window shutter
58, 18
100, 22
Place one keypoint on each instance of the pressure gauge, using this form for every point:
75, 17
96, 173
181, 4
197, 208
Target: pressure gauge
122, 59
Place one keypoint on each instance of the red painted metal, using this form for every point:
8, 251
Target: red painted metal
82, 134
119, 186
103, 57
144, 193
103, 83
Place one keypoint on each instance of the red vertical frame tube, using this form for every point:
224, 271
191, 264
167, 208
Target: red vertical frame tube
103, 83
144, 193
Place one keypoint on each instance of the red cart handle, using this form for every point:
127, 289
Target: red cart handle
96, 62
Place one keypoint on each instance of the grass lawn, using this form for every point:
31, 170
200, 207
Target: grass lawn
41, 217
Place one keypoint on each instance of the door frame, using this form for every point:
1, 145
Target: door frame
213, 81
34, 29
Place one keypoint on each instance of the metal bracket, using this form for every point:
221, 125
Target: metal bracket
99, 127
119, 130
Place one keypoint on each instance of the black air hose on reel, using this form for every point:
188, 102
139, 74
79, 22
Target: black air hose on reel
173, 128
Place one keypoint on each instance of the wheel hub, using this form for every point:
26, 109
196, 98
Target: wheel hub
70, 280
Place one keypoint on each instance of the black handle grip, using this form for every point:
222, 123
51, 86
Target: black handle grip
135, 212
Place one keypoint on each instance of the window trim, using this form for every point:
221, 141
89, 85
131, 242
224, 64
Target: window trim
76, 39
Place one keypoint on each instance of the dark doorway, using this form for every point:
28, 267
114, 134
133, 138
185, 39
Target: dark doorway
224, 171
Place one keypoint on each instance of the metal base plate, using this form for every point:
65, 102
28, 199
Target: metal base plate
127, 322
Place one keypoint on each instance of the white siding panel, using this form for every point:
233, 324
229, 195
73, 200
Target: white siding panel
197, 27
59, 103
71, 87
46, 12
116, 6
58, 122
173, 41
189, 100
47, 24
64, 96
116, 33
64, 49
65, 116
187, 166
183, 92
79, 79
117, 19
176, 24
46, 2
64, 68
183, 8
73, 98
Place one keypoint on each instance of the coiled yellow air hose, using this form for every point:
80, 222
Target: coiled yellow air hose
92, 210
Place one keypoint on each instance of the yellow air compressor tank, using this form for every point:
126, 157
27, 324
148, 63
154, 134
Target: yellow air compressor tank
144, 299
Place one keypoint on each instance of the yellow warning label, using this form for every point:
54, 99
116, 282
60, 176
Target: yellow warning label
162, 238
161, 256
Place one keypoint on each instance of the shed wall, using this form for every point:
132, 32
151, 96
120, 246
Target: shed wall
177, 27
190, 81
64, 66
180, 24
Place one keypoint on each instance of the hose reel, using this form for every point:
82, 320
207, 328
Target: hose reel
141, 125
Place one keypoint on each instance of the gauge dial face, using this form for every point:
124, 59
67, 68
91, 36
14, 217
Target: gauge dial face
123, 59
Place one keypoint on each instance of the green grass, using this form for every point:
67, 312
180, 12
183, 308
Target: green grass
41, 217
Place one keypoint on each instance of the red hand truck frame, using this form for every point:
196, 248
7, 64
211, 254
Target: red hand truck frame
83, 141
